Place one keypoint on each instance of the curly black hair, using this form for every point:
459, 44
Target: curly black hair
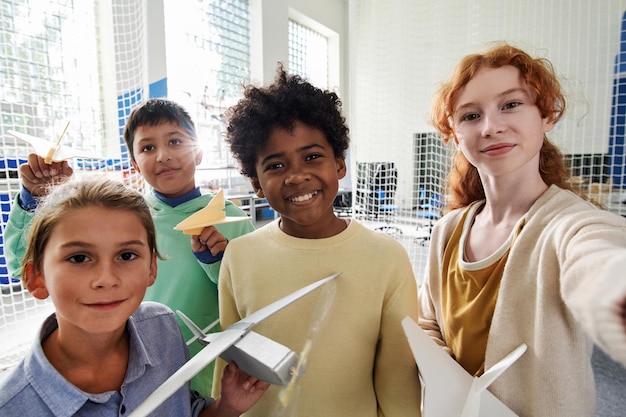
288, 100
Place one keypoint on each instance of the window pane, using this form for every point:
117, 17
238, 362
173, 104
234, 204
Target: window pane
308, 54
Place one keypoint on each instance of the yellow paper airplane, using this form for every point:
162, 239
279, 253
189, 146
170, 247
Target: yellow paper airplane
211, 215
52, 151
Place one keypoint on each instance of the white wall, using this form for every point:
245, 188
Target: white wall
392, 54
155, 29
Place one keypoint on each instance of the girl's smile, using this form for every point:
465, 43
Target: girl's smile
497, 125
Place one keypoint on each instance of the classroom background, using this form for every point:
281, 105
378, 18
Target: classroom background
88, 63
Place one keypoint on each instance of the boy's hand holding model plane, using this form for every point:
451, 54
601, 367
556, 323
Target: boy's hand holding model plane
47, 165
37, 176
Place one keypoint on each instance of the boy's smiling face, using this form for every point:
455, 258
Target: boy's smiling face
96, 272
167, 156
298, 173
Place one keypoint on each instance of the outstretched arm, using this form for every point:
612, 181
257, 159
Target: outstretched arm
599, 304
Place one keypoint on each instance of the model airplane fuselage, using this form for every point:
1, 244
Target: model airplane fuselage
255, 354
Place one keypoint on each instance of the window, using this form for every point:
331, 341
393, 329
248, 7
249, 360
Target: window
308, 54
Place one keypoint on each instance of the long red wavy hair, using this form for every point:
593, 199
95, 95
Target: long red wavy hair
463, 183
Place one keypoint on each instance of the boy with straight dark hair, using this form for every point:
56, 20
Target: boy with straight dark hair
163, 145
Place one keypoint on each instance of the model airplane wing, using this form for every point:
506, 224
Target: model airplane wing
211, 215
52, 151
447, 389
219, 343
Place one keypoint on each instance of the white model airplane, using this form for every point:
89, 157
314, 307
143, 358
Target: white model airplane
255, 354
52, 151
448, 390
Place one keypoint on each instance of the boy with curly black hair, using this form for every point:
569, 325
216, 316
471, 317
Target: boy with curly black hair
290, 139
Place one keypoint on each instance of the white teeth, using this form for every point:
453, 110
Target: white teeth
303, 197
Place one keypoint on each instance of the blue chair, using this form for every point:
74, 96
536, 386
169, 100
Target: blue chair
386, 182
387, 210
430, 209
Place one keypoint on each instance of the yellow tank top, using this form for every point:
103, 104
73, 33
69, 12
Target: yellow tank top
469, 295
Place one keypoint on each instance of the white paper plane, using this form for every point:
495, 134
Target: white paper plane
448, 390
52, 151
253, 353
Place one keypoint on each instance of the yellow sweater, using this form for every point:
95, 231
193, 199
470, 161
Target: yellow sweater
360, 363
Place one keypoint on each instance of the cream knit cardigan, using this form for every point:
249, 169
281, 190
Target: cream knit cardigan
561, 289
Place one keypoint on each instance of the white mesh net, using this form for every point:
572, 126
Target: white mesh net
87, 62
401, 50
58, 64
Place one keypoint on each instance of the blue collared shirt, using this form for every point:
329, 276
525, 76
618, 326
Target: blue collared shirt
157, 350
